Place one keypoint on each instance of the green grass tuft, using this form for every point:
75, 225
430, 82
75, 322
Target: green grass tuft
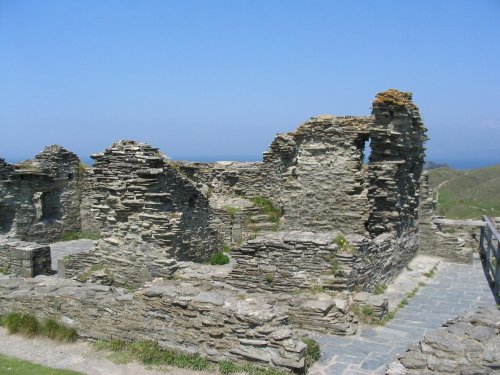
28, 325
57, 331
149, 353
379, 289
24, 324
70, 236
267, 207
219, 258
313, 352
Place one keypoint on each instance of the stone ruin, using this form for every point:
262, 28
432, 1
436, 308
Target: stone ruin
307, 228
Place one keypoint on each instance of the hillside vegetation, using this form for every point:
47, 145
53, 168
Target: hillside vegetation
467, 194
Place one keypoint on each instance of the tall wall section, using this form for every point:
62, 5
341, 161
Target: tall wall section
40, 199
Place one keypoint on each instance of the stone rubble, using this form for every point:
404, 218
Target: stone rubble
467, 345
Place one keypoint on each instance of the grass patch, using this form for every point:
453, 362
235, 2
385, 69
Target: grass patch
467, 194
56, 331
403, 303
14, 366
149, 353
430, 274
232, 211
219, 258
84, 276
5, 270
226, 248
313, 352
268, 208
379, 289
343, 244
70, 236
29, 326
315, 288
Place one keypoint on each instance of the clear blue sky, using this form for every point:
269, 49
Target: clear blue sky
218, 79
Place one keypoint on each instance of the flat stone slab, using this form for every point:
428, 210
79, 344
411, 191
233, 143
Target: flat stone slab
59, 250
373, 348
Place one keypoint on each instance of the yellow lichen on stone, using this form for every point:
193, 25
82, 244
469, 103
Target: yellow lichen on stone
394, 97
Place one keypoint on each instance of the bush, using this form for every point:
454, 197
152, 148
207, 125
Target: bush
219, 258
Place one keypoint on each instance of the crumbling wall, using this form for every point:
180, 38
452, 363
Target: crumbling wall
139, 199
26, 259
454, 243
193, 318
292, 261
41, 198
322, 186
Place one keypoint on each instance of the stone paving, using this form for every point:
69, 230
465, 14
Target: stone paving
59, 250
455, 289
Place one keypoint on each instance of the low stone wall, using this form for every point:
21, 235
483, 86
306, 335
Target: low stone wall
126, 263
454, 243
465, 345
288, 261
190, 317
25, 259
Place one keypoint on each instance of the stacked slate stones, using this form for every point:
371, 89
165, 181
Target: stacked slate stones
131, 200
396, 162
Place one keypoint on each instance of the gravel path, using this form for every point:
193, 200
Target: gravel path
78, 356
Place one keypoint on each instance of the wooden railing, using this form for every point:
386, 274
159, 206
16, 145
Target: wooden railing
489, 251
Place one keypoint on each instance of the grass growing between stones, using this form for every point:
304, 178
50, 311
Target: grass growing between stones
70, 236
379, 289
269, 209
219, 259
84, 276
149, 353
29, 326
14, 366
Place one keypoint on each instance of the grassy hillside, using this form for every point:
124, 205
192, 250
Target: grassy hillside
467, 194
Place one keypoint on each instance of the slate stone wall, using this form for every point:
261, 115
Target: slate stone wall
454, 243
25, 259
40, 200
193, 318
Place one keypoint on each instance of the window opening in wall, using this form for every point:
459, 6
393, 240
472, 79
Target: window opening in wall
48, 205
7, 215
367, 151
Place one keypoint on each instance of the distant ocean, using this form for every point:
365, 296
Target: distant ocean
453, 163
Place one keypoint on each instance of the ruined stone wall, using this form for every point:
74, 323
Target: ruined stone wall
395, 164
454, 243
7, 208
88, 213
139, 200
193, 318
41, 198
26, 259
322, 186
288, 261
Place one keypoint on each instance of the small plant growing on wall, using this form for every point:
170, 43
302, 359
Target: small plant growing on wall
219, 258
343, 244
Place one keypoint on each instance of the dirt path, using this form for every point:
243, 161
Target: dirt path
79, 356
